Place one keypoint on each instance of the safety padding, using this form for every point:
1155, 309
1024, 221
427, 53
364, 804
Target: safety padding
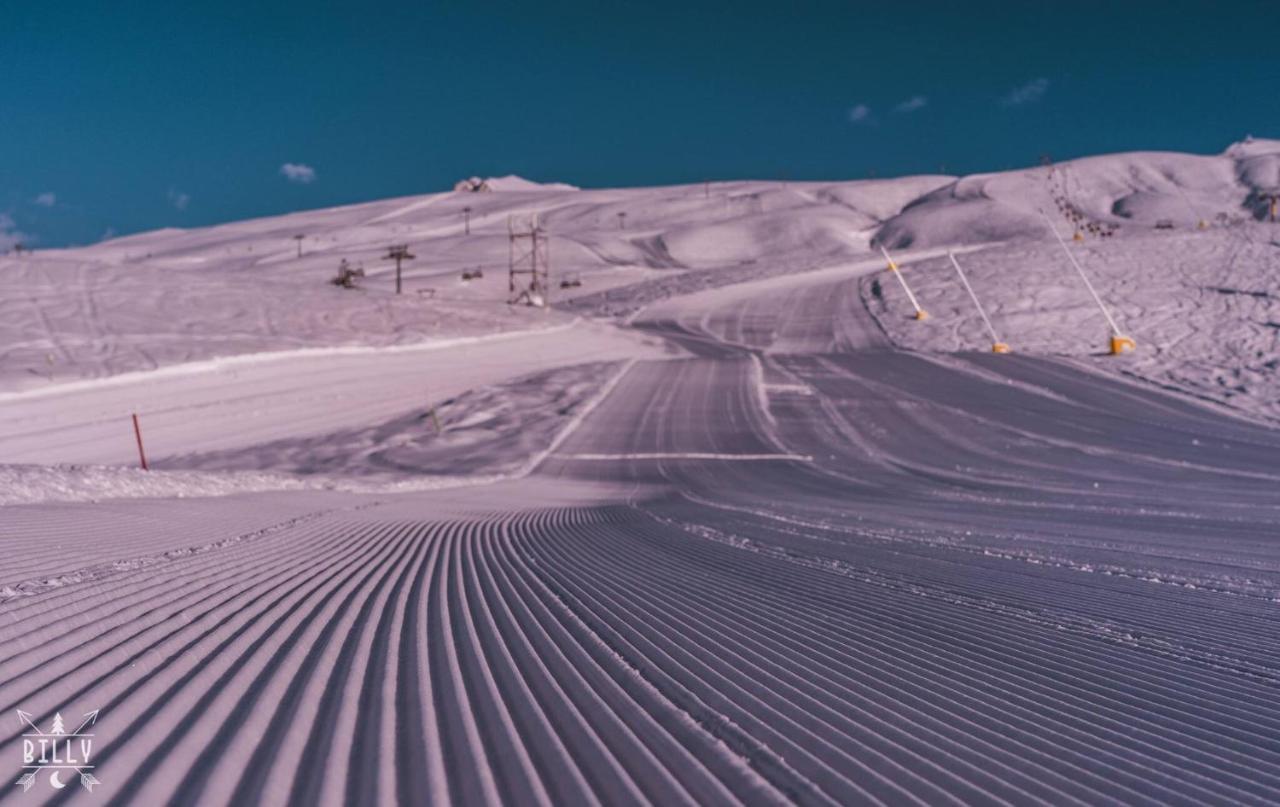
1121, 344
1000, 347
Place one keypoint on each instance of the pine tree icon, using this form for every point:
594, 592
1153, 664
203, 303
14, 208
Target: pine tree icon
58, 728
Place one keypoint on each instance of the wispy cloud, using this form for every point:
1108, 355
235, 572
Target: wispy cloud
178, 199
46, 199
1027, 93
298, 172
912, 104
860, 114
10, 235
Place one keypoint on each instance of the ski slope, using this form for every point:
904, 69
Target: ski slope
765, 539
993, 579
244, 401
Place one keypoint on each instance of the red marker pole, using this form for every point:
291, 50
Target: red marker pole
137, 432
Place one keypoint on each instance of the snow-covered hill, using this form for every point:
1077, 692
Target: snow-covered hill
1126, 191
1199, 298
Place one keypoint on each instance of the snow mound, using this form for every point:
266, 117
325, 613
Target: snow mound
1252, 147
975, 209
509, 183
1136, 190
831, 231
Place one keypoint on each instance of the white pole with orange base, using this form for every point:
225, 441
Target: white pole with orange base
893, 267
1119, 342
996, 345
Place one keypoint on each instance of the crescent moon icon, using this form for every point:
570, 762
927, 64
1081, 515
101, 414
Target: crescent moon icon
53, 780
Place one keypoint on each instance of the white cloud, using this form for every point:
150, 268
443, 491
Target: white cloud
912, 104
297, 172
860, 114
10, 235
46, 199
1028, 93
178, 199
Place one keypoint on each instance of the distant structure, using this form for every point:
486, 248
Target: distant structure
346, 275
472, 185
398, 253
299, 238
466, 220
529, 264
622, 220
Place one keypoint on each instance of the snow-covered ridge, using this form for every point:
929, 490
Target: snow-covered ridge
1138, 189
173, 297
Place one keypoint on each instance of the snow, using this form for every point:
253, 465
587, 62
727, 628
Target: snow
725, 524
245, 401
1136, 189
487, 431
33, 484
160, 323
1201, 305
177, 296
511, 182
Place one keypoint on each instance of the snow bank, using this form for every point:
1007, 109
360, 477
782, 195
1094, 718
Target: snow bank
33, 484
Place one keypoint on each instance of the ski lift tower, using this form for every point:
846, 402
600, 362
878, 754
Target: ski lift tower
530, 261
398, 253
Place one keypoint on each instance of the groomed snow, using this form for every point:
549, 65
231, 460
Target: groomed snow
737, 546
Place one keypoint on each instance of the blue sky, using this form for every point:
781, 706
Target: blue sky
121, 117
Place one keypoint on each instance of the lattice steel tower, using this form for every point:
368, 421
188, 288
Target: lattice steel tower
530, 261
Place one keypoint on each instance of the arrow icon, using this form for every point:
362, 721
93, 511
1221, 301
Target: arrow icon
89, 719
25, 717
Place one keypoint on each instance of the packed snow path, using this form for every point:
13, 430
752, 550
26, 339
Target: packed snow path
964, 579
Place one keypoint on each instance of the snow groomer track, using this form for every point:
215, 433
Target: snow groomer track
960, 579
